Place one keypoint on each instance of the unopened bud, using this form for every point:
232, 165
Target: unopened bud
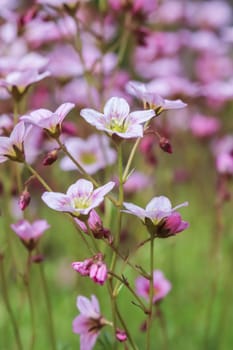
37, 258
165, 145
24, 200
50, 158
121, 335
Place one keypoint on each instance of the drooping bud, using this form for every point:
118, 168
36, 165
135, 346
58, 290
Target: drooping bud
95, 224
165, 145
24, 199
121, 335
50, 158
171, 225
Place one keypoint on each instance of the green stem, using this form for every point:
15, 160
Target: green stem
49, 308
132, 154
39, 178
151, 295
126, 284
120, 203
30, 301
8, 306
113, 307
134, 346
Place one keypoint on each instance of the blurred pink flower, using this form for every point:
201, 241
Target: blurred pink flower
121, 335
30, 233
223, 151
12, 147
117, 118
89, 323
18, 82
93, 267
93, 154
161, 286
137, 182
143, 92
80, 198
50, 121
204, 126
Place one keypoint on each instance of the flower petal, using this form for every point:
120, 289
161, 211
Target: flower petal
117, 108
141, 116
160, 203
57, 201
87, 308
80, 188
135, 210
64, 109
99, 193
93, 117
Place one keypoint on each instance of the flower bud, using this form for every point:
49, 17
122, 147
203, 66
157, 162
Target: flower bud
121, 335
50, 158
165, 145
24, 199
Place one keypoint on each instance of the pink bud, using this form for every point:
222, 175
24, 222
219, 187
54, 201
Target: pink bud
24, 200
50, 158
121, 335
165, 145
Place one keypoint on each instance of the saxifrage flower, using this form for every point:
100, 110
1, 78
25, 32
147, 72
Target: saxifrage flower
117, 118
79, 199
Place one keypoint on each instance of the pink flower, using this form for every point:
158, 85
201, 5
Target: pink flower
117, 118
89, 323
137, 182
155, 101
159, 216
161, 286
12, 147
18, 82
79, 199
223, 151
93, 267
30, 233
93, 154
50, 121
203, 126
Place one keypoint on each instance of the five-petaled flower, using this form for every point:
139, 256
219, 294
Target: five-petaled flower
89, 323
79, 199
12, 147
161, 286
30, 233
47, 120
159, 217
117, 119
152, 99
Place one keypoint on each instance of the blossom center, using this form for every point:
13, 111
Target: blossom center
118, 126
81, 203
88, 158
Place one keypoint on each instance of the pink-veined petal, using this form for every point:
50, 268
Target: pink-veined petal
117, 108
160, 203
57, 201
64, 109
100, 192
93, 117
141, 116
80, 188
87, 308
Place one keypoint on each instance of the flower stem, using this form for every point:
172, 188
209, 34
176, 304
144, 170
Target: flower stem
30, 301
8, 305
48, 306
126, 284
39, 178
149, 320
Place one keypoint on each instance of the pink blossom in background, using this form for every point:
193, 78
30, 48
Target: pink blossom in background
117, 118
12, 147
121, 335
210, 67
30, 233
204, 126
223, 151
93, 267
143, 92
161, 286
21, 80
11, 63
93, 154
50, 121
146, 6
137, 181
89, 323
79, 199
